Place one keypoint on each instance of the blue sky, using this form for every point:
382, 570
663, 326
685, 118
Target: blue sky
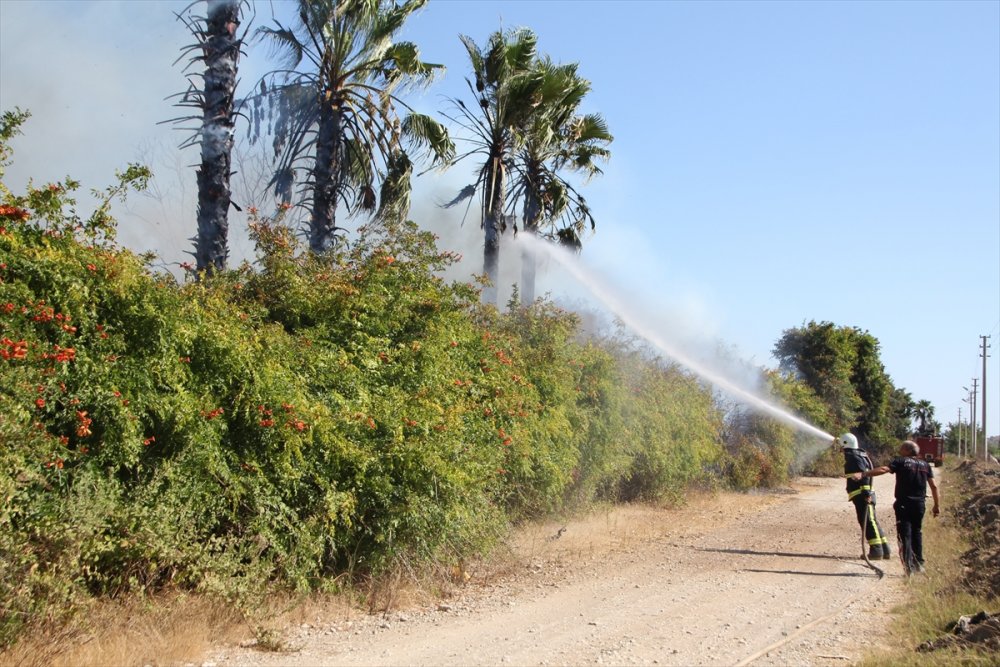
774, 163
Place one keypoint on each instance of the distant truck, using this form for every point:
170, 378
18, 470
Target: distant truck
931, 448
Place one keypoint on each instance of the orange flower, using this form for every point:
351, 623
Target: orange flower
266, 422
11, 350
14, 213
148, 441
83, 425
212, 414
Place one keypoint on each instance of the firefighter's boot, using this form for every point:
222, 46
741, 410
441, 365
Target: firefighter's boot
886, 552
875, 553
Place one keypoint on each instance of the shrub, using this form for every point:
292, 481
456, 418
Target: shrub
280, 424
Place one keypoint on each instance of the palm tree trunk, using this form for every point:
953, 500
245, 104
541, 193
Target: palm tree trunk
222, 52
324, 213
492, 226
532, 214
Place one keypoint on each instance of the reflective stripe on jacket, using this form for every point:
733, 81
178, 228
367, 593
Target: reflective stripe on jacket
856, 460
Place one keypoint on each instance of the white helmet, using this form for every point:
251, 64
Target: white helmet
848, 441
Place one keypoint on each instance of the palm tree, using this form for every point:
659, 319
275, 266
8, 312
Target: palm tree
334, 107
218, 47
557, 138
923, 412
507, 88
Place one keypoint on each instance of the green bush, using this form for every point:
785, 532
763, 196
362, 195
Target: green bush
278, 425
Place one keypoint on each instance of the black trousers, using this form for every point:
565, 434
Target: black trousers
909, 531
866, 517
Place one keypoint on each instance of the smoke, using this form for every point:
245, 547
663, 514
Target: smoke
636, 318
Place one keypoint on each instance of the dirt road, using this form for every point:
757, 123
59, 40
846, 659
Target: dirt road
771, 579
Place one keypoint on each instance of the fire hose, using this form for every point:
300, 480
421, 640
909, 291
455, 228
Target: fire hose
803, 629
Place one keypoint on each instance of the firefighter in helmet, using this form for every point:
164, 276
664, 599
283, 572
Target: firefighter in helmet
860, 493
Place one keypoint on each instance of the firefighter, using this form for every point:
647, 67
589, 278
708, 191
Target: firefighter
860, 493
913, 476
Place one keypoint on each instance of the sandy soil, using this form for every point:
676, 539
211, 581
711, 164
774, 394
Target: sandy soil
767, 579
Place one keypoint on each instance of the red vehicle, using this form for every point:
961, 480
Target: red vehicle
931, 448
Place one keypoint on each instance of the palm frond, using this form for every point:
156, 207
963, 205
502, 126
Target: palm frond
284, 42
465, 193
429, 137
394, 198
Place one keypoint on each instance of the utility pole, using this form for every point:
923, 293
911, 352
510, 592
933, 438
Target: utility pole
975, 430
986, 435
959, 427
972, 415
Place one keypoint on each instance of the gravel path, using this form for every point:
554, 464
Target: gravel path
769, 579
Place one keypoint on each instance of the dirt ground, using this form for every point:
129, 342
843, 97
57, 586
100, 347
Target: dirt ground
767, 579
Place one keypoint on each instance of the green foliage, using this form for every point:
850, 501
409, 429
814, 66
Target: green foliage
843, 368
283, 424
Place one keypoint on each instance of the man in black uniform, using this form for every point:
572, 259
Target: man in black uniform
913, 476
860, 493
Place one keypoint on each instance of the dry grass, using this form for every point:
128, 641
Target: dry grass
178, 629
168, 630
165, 630
935, 599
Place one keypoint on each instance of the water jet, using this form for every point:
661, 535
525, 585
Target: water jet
603, 294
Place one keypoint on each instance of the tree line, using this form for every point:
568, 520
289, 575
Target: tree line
345, 140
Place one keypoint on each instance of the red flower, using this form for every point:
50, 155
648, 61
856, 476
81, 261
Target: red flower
91, 267
11, 350
212, 414
14, 213
39, 403
148, 441
266, 422
83, 427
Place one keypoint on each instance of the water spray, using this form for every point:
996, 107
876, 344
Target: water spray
589, 281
